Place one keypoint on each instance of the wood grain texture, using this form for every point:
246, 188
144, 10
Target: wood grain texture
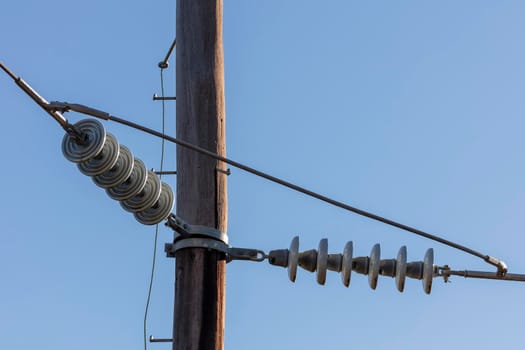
201, 189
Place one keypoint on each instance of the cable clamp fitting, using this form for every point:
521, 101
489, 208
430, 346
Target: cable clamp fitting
184, 230
231, 253
196, 236
500, 265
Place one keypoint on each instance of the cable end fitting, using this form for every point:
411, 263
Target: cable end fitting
79, 137
502, 267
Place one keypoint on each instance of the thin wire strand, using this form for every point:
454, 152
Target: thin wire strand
156, 226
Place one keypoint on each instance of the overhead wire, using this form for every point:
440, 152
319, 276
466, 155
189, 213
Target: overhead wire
307, 192
64, 107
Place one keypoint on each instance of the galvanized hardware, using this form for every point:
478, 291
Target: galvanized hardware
502, 267
66, 107
160, 340
197, 236
165, 172
184, 229
213, 244
227, 171
445, 272
94, 142
73, 131
246, 254
157, 98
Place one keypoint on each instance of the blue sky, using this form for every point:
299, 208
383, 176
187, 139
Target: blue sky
409, 109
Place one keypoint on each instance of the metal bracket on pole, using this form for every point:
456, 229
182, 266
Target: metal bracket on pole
196, 236
162, 98
185, 230
231, 253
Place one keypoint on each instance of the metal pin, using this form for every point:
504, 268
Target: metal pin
160, 340
157, 98
227, 171
169, 172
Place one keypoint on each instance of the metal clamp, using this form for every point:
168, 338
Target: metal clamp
184, 229
502, 267
196, 236
213, 244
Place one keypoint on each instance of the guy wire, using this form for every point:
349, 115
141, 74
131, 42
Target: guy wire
156, 226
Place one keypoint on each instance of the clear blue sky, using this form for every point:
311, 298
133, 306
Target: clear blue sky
410, 109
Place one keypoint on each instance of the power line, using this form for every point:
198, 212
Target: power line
61, 107
307, 192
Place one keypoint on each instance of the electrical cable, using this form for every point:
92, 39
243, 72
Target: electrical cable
55, 107
491, 260
156, 226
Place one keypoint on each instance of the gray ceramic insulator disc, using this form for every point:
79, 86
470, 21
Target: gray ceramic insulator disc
346, 265
373, 267
293, 258
133, 185
119, 173
95, 137
146, 198
428, 271
160, 210
322, 261
104, 161
401, 268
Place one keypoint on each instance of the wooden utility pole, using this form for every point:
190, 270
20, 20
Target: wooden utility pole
201, 185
